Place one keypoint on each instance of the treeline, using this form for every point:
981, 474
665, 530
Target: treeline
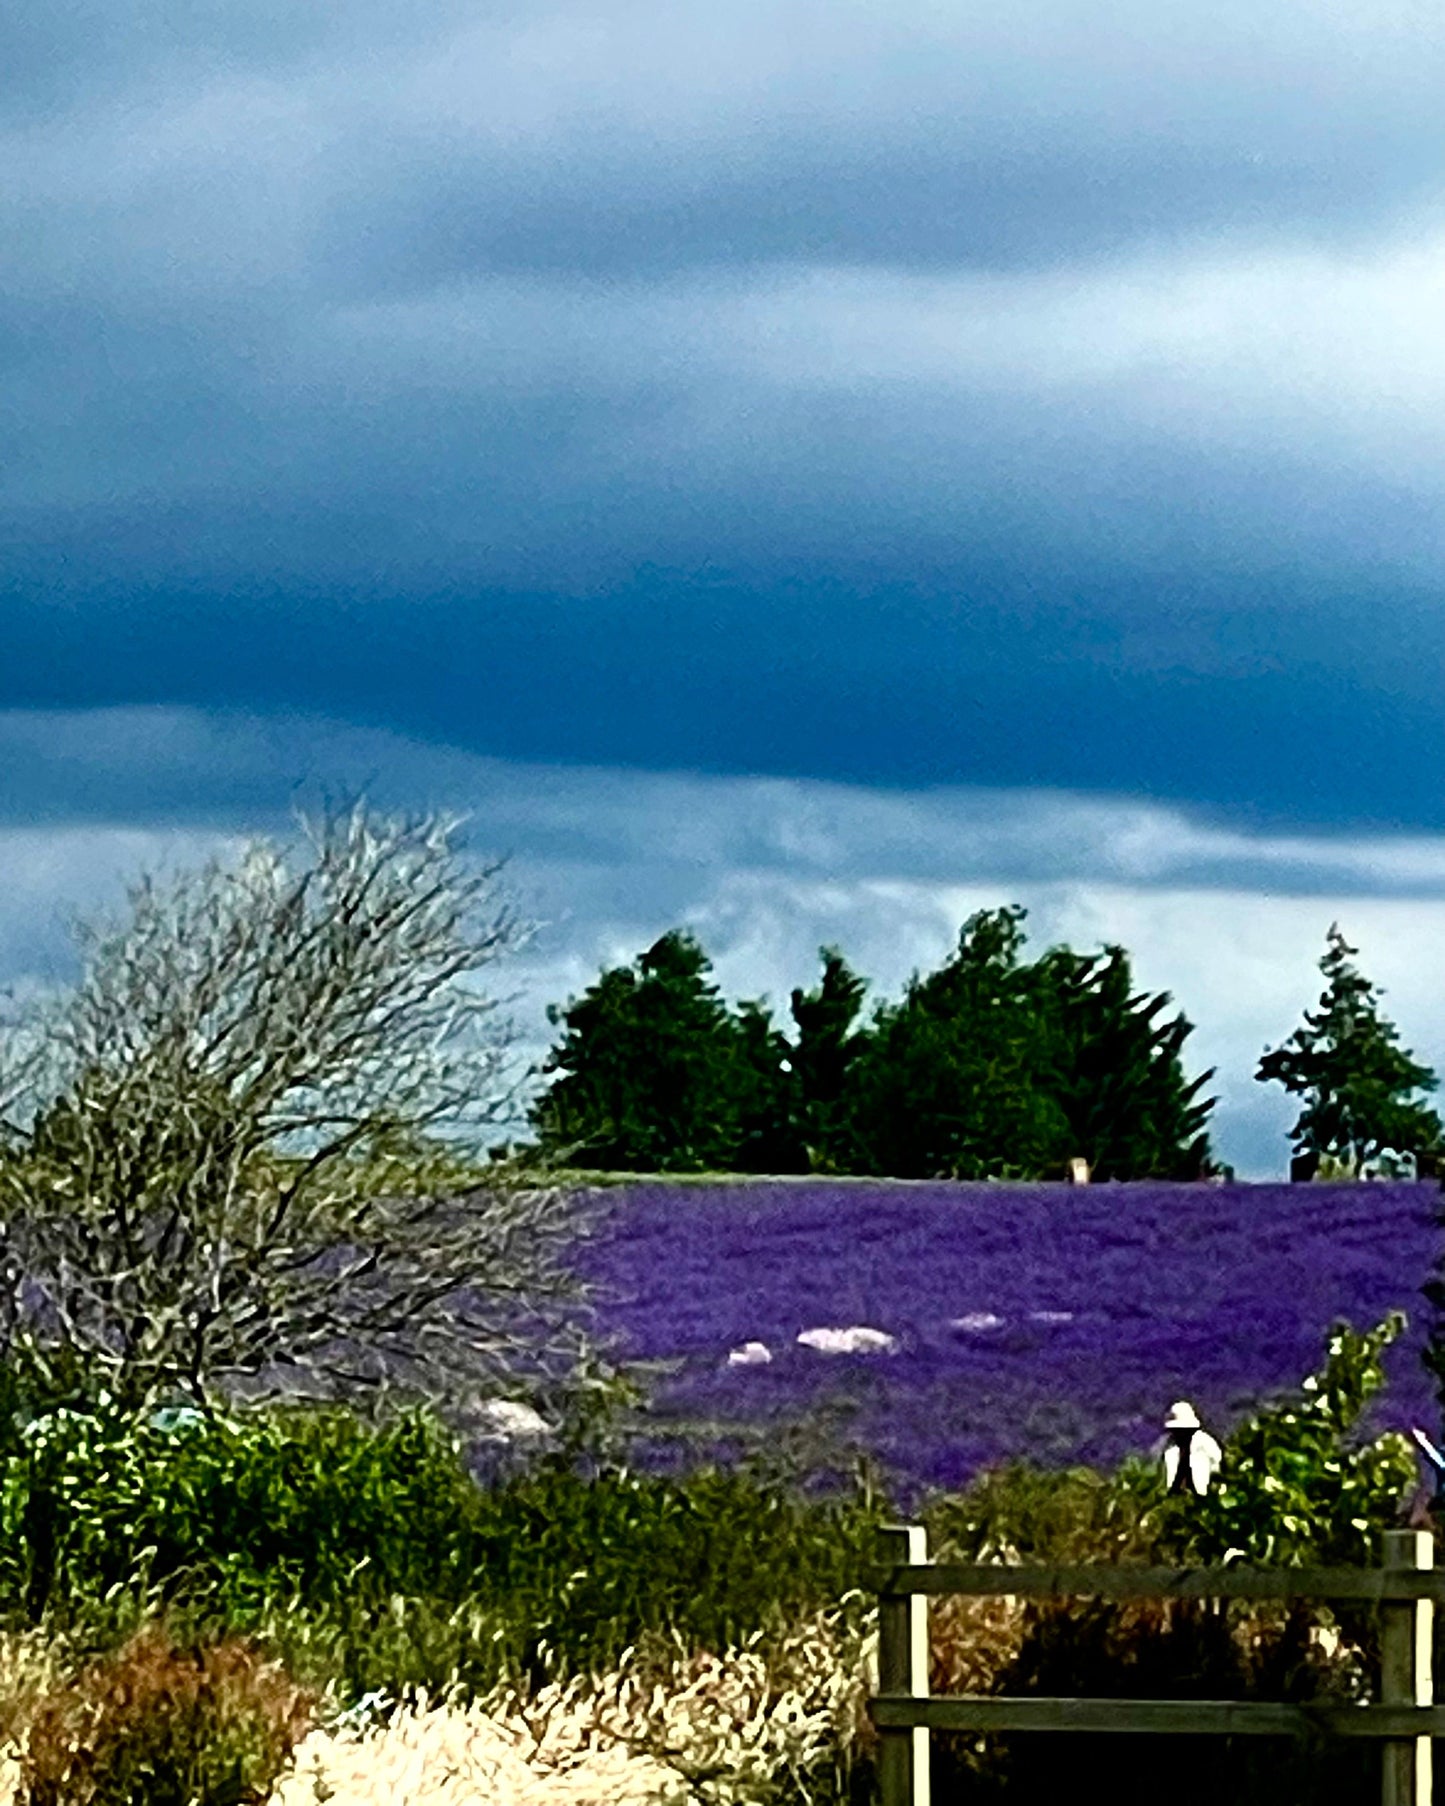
993, 1065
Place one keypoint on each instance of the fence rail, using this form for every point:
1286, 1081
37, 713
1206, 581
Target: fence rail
1370, 1584
1406, 1587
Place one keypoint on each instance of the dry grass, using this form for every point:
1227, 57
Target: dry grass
760, 1724
773, 1721
32, 1666
161, 1719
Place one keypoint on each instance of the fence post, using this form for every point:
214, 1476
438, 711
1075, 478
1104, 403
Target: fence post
903, 1668
1406, 1679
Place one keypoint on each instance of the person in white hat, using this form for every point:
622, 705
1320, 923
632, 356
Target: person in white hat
1191, 1455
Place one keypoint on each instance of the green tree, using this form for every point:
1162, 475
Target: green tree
1114, 1069
766, 1095
648, 1068
949, 1083
1357, 1082
827, 1047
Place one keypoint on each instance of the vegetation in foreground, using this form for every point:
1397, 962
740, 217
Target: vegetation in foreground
235, 1606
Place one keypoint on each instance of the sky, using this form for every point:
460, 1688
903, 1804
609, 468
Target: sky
802, 472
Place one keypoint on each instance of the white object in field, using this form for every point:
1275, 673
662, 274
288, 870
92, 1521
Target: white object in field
1078, 1171
507, 1418
751, 1354
976, 1320
856, 1340
1191, 1455
1051, 1316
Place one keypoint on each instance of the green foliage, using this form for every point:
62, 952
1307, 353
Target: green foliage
1356, 1081
1296, 1487
715, 1555
241, 1508
372, 1552
988, 1067
648, 1067
164, 1726
994, 1067
828, 1045
1293, 1487
368, 1561
1115, 1072
948, 1083
765, 1095
1048, 1515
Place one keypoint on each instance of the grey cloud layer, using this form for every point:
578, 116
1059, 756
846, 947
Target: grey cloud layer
617, 135
170, 767
218, 237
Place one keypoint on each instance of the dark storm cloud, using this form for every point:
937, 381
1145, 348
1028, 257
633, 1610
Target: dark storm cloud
890, 394
442, 138
898, 692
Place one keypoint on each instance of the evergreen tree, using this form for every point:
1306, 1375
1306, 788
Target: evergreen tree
1115, 1070
828, 1045
1356, 1081
766, 1096
648, 1066
988, 1066
948, 1084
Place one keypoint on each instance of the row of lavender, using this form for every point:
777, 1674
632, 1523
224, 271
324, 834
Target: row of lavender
1036, 1320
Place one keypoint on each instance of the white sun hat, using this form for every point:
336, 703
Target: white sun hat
1182, 1416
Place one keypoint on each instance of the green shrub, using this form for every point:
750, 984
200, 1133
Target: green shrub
376, 1545
571, 1572
1296, 1486
715, 1555
1054, 1516
156, 1725
283, 1502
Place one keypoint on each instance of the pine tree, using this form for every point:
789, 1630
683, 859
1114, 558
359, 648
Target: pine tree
648, 1068
948, 1084
827, 1047
1356, 1081
1116, 1071
767, 1108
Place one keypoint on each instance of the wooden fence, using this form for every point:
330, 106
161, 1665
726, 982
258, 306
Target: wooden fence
1406, 1586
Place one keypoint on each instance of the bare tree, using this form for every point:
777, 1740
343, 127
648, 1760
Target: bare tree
227, 1164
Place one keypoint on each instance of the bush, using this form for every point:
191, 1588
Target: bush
289, 1501
163, 1726
1297, 1485
1158, 1649
714, 1555
1068, 1515
373, 1555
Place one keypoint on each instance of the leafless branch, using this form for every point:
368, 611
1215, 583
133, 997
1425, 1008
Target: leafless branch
221, 1153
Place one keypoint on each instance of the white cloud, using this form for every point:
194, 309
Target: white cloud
1231, 921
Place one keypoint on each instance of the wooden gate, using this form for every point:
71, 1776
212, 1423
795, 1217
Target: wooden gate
1406, 1586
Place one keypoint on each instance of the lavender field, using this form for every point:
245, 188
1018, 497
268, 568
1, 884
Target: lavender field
1042, 1320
